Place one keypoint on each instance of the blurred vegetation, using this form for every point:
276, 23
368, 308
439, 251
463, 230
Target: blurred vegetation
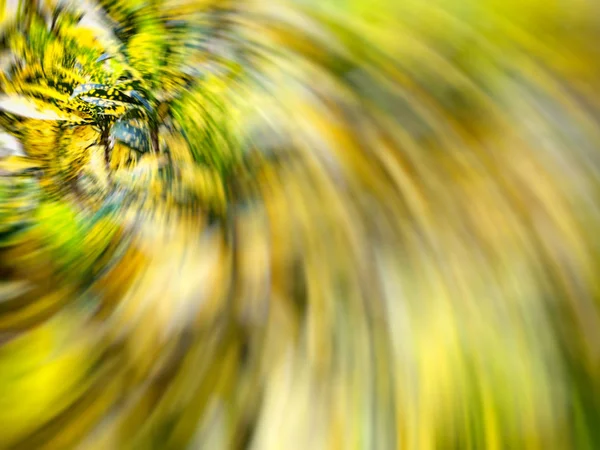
299, 225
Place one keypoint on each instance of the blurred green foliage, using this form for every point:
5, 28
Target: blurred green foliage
297, 225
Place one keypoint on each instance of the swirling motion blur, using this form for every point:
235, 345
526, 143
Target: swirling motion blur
299, 224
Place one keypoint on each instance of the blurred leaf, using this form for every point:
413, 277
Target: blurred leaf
130, 133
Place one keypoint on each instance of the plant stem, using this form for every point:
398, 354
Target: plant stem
154, 139
107, 147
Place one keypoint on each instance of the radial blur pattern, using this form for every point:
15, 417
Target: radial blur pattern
300, 225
